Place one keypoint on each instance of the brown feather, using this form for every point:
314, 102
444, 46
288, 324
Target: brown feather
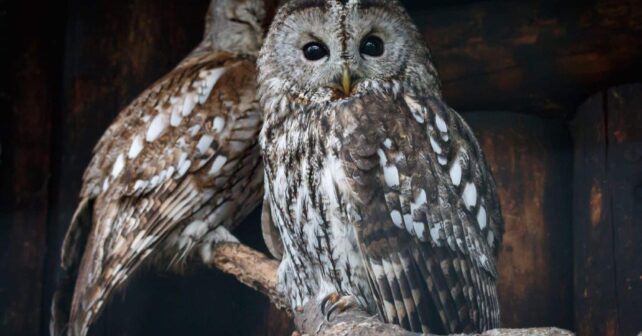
164, 163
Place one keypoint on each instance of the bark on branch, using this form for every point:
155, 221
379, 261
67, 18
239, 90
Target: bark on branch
251, 268
258, 271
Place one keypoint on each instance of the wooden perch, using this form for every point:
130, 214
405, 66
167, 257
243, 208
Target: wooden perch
257, 271
251, 268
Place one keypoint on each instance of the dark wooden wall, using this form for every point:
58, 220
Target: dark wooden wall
32, 54
72, 65
608, 212
531, 159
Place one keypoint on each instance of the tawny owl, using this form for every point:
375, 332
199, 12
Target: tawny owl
379, 190
177, 168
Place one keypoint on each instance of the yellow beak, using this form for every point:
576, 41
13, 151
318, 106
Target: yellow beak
346, 82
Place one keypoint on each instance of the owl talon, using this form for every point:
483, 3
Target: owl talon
332, 298
339, 303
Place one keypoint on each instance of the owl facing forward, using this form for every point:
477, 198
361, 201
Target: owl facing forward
379, 190
177, 168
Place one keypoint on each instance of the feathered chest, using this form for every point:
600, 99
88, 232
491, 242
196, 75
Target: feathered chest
310, 201
303, 167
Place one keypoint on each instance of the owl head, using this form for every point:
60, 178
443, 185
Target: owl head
337, 49
235, 25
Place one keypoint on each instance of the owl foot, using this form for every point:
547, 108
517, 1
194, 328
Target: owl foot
220, 235
340, 303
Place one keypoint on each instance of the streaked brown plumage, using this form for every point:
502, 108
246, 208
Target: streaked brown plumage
177, 168
380, 191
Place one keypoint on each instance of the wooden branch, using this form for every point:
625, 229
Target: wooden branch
251, 268
257, 271
310, 320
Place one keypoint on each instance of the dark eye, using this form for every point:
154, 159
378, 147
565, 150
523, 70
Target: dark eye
314, 51
372, 46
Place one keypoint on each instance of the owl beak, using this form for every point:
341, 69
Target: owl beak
346, 81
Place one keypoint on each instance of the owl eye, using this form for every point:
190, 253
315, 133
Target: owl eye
314, 51
372, 46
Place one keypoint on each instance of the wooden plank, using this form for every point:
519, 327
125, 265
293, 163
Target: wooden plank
595, 288
531, 161
29, 105
531, 56
624, 155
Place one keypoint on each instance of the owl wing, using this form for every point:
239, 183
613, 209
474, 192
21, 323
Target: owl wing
186, 146
429, 218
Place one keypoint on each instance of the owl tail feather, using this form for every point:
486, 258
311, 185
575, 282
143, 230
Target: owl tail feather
72, 250
60, 306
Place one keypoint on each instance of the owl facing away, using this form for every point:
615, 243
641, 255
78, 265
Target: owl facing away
177, 168
380, 192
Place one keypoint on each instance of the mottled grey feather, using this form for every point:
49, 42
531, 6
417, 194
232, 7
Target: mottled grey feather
379, 190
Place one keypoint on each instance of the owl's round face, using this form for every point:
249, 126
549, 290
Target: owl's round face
341, 48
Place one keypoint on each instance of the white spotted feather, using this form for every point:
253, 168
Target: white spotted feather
154, 188
400, 208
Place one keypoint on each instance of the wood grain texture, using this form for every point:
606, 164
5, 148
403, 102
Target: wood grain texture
595, 302
536, 56
531, 161
607, 213
29, 102
624, 112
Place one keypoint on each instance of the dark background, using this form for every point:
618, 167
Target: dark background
548, 86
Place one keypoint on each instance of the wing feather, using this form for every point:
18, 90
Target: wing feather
160, 134
184, 148
406, 294
427, 204
72, 250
